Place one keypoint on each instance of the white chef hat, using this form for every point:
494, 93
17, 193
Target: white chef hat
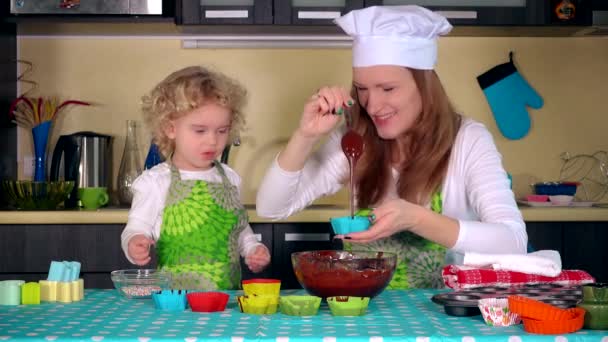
394, 35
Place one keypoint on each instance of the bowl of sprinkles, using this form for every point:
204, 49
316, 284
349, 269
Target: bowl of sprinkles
140, 283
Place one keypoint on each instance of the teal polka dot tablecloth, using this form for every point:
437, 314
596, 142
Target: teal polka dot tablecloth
395, 315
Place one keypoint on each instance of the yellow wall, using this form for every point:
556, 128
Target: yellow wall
569, 73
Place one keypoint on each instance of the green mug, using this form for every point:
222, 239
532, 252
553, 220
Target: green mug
93, 198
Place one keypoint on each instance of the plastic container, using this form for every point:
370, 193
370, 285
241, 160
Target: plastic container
140, 283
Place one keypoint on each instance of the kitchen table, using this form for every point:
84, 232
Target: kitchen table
395, 315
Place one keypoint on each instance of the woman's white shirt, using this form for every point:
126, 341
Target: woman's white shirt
476, 191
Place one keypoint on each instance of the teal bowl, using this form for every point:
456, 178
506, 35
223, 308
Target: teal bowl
347, 224
28, 195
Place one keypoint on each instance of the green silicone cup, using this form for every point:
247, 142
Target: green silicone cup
348, 306
299, 305
10, 292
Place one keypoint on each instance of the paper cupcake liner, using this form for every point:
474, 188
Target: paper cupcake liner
495, 312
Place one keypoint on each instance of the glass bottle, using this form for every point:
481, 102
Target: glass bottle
130, 167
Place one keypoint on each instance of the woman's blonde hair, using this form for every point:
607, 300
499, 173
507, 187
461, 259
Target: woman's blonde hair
428, 148
188, 89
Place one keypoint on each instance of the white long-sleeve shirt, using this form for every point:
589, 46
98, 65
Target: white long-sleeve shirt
149, 194
476, 191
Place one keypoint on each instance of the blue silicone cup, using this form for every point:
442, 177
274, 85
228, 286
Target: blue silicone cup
347, 224
170, 300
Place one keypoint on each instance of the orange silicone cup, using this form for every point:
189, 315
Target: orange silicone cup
537, 310
565, 326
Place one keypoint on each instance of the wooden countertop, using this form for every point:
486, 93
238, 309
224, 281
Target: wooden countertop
315, 213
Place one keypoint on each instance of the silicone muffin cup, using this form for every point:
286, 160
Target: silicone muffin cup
258, 305
207, 301
534, 309
299, 305
262, 287
170, 300
553, 327
495, 312
347, 306
347, 224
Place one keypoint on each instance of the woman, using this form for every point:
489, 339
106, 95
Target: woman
433, 178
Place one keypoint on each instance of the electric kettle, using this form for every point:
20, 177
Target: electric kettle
87, 160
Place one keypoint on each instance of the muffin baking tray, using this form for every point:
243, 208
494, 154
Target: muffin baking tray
464, 302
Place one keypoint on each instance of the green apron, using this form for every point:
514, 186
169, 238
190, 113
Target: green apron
419, 261
198, 241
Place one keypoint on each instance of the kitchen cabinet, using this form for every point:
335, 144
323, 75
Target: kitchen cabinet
202, 12
8, 92
312, 12
580, 244
26, 251
297, 237
500, 12
322, 12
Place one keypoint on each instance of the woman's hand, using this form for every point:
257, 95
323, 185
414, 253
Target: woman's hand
139, 249
323, 111
258, 260
391, 217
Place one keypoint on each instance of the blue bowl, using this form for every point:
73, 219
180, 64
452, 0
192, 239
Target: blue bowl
347, 224
555, 188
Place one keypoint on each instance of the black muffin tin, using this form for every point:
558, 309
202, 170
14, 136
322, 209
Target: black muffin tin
464, 302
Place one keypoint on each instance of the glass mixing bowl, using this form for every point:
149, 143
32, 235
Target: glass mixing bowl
328, 273
140, 283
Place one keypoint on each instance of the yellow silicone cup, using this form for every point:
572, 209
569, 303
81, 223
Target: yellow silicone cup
258, 305
265, 287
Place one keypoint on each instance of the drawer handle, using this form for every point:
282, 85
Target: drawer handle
458, 14
306, 237
318, 14
210, 14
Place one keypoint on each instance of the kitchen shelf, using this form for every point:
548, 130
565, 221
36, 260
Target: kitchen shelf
316, 213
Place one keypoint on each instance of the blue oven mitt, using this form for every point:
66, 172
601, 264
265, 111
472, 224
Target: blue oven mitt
508, 94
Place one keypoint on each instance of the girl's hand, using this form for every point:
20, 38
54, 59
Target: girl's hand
139, 249
258, 260
323, 111
391, 217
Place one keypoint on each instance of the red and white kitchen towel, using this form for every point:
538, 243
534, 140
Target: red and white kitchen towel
539, 267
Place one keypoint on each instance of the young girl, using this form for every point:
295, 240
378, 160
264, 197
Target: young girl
188, 206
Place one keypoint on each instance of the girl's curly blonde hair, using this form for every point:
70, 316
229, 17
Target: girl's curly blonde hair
188, 89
